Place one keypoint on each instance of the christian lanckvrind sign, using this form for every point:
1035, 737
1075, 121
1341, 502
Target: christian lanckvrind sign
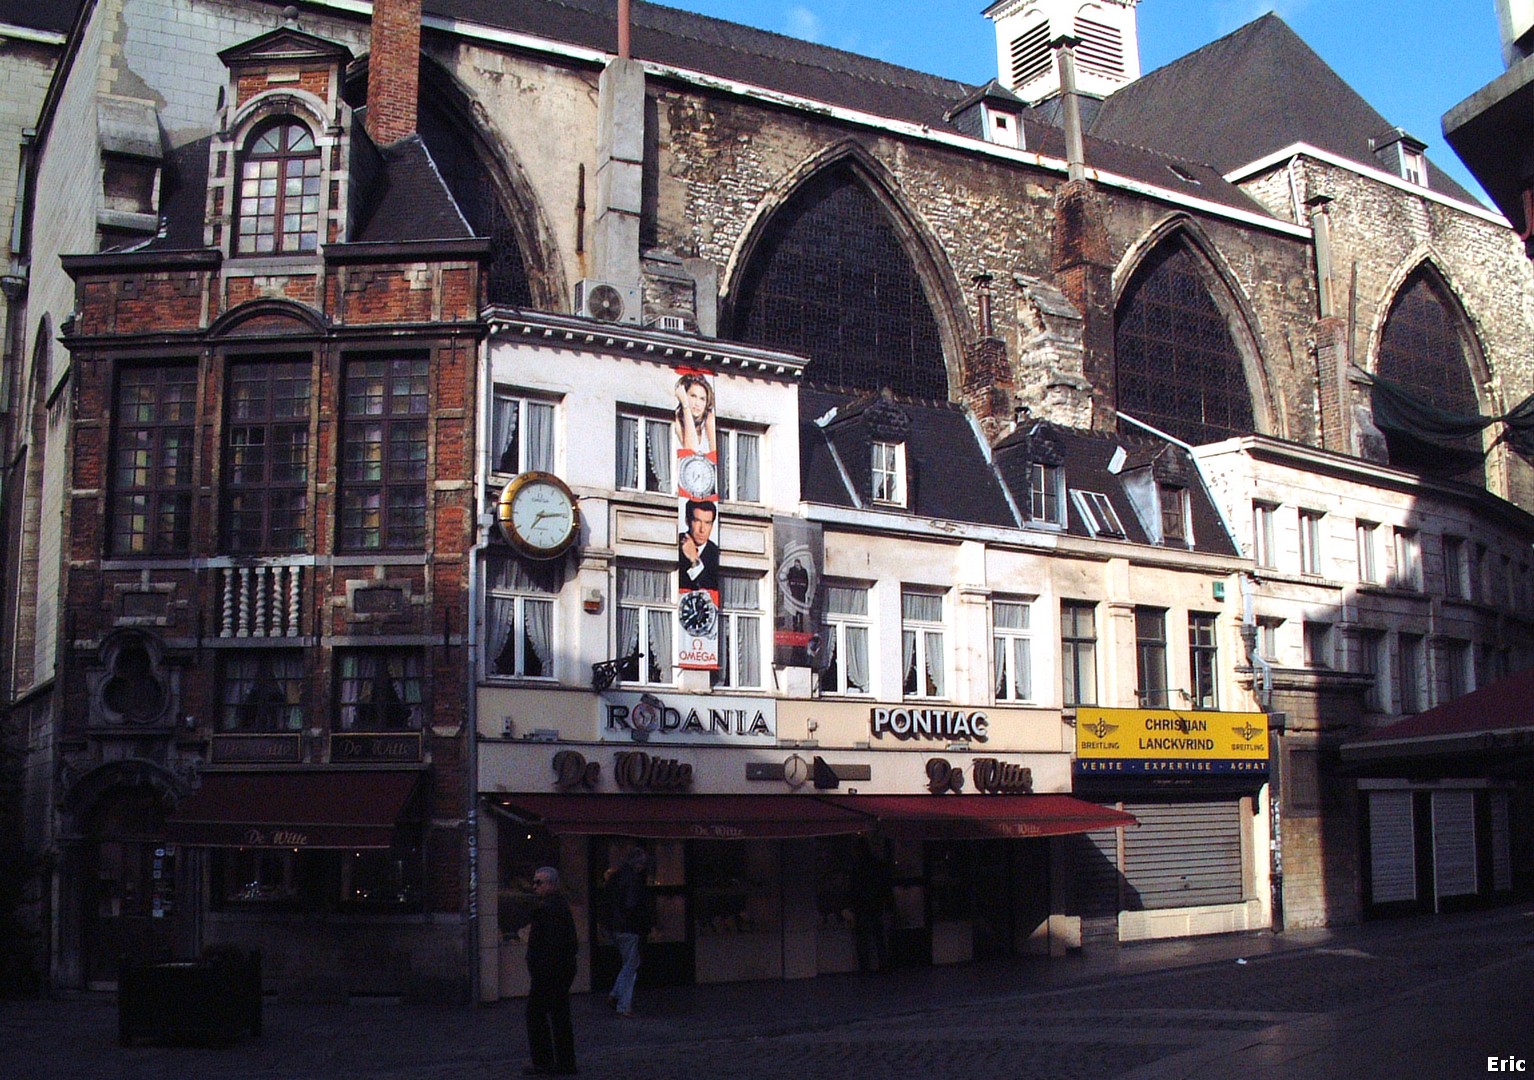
1168, 742
687, 718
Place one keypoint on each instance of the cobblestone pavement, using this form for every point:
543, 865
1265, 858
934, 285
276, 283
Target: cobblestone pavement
1429, 998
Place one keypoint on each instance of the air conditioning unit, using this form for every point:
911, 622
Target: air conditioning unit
606, 302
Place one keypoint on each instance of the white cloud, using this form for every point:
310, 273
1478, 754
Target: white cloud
1230, 14
803, 23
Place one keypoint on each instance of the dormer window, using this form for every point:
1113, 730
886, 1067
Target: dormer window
279, 206
1046, 486
1413, 166
888, 472
1174, 514
1098, 513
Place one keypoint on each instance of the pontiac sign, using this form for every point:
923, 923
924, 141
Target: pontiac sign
1167, 742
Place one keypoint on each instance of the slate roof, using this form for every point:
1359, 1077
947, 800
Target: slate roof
1252, 92
52, 15
411, 202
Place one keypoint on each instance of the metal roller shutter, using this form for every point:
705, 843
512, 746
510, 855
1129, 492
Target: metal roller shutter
1182, 855
1454, 843
1392, 849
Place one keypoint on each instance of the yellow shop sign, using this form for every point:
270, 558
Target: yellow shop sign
1170, 741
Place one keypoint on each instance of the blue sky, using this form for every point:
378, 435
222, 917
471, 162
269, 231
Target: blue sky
1412, 60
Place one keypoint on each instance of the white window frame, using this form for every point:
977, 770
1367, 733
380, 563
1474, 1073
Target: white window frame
1072, 651
503, 589
644, 609
1408, 553
1371, 660
1455, 584
732, 464
1310, 542
1046, 493
1203, 657
842, 625
1008, 644
1098, 513
738, 627
1368, 552
919, 639
529, 458
887, 472
1414, 166
1179, 512
1267, 637
1318, 648
1263, 552
648, 427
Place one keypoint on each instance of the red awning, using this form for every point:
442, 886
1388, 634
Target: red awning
980, 817
688, 817
327, 808
1492, 720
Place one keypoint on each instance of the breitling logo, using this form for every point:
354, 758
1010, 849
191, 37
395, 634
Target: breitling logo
1102, 729
1248, 732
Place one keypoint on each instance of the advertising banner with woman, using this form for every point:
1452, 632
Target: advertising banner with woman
696, 438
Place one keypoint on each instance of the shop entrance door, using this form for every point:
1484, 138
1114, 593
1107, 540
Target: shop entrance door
130, 901
667, 958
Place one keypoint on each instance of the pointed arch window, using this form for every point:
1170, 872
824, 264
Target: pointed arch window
1423, 348
831, 279
279, 205
1178, 367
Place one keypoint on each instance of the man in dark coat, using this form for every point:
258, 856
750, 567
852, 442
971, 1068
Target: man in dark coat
551, 951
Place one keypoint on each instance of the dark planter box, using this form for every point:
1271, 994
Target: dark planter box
202, 1001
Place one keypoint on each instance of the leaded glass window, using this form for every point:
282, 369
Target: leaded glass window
832, 280
1178, 368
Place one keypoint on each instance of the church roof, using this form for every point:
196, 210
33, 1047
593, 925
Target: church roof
1255, 91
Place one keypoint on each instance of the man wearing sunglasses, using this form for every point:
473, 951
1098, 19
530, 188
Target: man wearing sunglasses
551, 951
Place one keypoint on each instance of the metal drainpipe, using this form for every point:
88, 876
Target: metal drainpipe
1075, 147
471, 657
1263, 685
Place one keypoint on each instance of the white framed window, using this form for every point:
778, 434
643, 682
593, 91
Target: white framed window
1263, 551
1318, 645
644, 453
887, 462
1310, 541
647, 624
521, 434
1371, 661
1174, 514
1078, 652
1368, 559
1408, 559
1150, 657
740, 631
1267, 638
850, 629
1413, 167
1012, 649
1046, 493
740, 465
519, 618
1409, 669
1203, 660
924, 656
1455, 585
1098, 513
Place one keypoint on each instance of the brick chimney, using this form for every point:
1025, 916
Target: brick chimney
394, 70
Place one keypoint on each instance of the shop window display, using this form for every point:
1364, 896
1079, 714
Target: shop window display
735, 888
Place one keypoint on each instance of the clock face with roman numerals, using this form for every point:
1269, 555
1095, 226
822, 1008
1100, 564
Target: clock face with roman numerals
538, 515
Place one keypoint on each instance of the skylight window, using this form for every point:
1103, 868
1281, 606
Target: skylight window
1098, 513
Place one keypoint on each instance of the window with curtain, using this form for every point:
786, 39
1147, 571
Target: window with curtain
1263, 550
154, 416
279, 204
847, 619
266, 457
1367, 533
925, 660
1310, 541
1012, 649
740, 454
380, 689
1408, 545
646, 618
1078, 652
1150, 656
261, 690
644, 453
519, 617
521, 434
383, 455
1203, 660
1454, 585
740, 631
887, 462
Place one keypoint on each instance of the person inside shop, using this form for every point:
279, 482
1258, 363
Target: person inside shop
551, 952
629, 910
697, 553
873, 902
